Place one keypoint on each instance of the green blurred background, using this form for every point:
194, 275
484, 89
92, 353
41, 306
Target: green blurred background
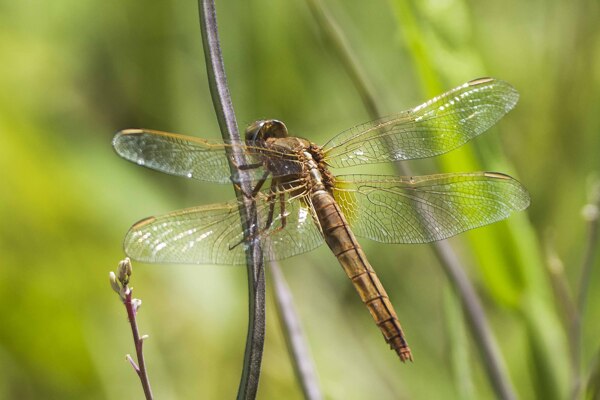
72, 73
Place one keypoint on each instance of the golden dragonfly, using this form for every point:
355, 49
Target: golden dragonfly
300, 204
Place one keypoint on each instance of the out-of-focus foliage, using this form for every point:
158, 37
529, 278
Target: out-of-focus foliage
73, 72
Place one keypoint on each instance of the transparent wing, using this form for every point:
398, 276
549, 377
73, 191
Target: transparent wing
196, 158
435, 127
423, 209
213, 234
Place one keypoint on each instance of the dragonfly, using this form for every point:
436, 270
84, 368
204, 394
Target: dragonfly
301, 204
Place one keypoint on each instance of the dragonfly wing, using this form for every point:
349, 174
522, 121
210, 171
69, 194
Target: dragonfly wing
423, 209
194, 235
213, 234
174, 154
196, 158
435, 127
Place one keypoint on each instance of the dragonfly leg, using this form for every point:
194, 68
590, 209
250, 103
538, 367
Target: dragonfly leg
256, 188
260, 183
249, 166
282, 210
271, 200
270, 216
272, 212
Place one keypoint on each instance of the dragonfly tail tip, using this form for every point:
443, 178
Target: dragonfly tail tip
405, 354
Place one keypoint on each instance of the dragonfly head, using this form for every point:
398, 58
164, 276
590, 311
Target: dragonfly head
262, 130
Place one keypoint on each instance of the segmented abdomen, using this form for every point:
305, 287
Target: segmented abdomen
344, 245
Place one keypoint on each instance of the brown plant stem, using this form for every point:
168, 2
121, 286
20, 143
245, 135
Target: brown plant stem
254, 259
140, 368
120, 284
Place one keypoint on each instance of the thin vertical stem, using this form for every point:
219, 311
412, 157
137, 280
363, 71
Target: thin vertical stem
593, 379
591, 213
333, 33
476, 319
120, 284
254, 259
295, 339
140, 368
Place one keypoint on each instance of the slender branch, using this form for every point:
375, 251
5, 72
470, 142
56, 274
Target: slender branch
476, 320
254, 259
119, 283
458, 339
334, 34
484, 338
132, 306
591, 213
569, 313
294, 335
560, 284
593, 379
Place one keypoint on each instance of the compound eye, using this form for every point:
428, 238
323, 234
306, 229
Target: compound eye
277, 129
254, 131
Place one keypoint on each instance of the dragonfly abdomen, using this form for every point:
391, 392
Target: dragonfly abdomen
345, 247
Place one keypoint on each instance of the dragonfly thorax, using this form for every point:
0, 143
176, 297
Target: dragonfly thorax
303, 160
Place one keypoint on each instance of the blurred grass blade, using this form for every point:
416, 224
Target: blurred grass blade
458, 346
413, 37
593, 383
548, 383
560, 284
294, 336
476, 320
591, 214
254, 259
333, 34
